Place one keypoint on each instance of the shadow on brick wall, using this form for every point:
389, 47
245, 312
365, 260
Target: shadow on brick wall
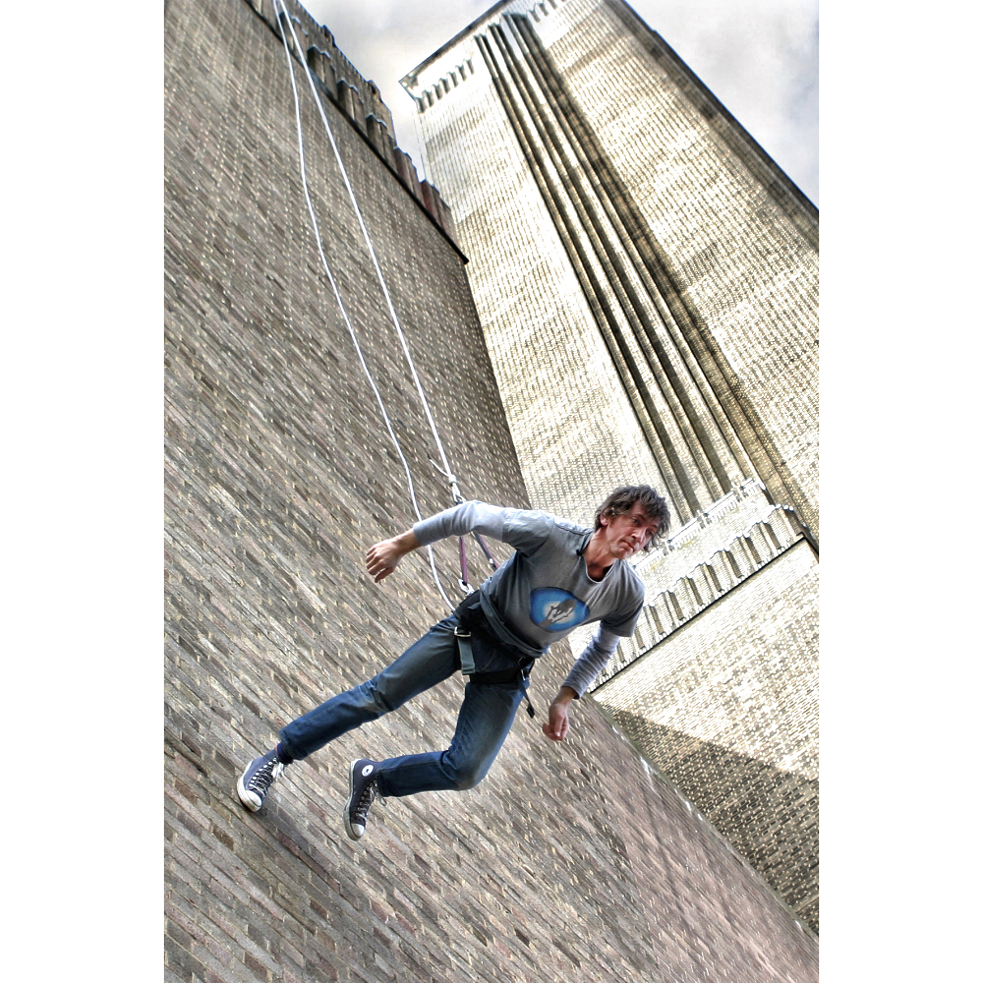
769, 815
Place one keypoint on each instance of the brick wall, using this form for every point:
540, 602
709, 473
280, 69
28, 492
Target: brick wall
727, 706
571, 862
658, 323
661, 272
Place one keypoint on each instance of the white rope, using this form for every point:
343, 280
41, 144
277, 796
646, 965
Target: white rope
341, 305
368, 242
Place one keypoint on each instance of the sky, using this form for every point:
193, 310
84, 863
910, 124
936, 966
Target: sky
760, 58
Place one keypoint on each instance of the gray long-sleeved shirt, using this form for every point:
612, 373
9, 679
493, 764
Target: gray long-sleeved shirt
543, 591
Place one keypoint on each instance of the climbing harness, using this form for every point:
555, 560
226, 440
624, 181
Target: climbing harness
473, 626
283, 17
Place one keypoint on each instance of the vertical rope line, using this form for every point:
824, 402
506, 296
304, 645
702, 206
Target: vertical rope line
368, 242
341, 305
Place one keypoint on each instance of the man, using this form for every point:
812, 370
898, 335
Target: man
561, 575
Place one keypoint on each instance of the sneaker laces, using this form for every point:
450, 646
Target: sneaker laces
265, 776
361, 811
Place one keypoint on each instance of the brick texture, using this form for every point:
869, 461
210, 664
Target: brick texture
635, 257
687, 704
573, 862
647, 280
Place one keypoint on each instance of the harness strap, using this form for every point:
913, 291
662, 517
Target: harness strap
463, 582
485, 550
468, 669
507, 676
464, 647
502, 676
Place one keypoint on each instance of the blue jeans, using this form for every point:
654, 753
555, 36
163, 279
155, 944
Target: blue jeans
483, 722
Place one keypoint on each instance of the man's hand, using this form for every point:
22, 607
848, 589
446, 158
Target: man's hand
559, 723
384, 557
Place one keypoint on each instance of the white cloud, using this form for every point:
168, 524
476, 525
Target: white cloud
758, 57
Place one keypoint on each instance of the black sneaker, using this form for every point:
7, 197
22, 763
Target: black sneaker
256, 780
362, 791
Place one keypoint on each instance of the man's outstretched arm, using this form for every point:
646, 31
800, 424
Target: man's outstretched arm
383, 558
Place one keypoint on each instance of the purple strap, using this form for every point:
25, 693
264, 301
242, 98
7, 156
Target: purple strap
464, 562
464, 556
486, 551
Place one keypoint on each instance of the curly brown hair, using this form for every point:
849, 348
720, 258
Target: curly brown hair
622, 500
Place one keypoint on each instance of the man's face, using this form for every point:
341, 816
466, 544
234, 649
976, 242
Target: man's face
624, 535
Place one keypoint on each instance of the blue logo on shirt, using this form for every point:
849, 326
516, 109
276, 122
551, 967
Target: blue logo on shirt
556, 610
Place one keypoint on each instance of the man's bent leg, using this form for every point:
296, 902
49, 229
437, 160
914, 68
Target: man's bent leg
483, 724
424, 664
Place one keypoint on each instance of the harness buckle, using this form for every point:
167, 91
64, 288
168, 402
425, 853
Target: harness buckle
464, 647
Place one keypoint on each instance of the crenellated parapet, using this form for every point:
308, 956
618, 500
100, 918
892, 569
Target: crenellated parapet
279, 475
358, 98
706, 583
647, 281
428, 91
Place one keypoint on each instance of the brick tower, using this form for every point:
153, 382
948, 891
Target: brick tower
570, 863
647, 282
